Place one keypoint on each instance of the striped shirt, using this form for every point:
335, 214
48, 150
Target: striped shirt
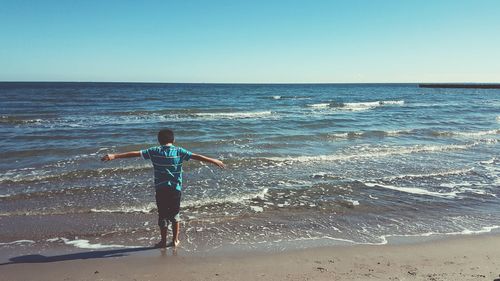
167, 164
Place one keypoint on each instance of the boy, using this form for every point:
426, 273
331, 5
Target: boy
167, 163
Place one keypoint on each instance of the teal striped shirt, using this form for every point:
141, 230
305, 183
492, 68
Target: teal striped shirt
167, 164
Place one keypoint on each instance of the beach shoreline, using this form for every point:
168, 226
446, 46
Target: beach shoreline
463, 257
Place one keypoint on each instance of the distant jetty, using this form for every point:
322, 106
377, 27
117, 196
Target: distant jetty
458, 85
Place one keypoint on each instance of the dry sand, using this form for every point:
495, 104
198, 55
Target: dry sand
460, 258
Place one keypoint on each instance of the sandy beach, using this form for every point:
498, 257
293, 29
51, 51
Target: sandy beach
458, 258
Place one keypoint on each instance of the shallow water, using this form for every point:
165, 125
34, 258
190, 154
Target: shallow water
356, 163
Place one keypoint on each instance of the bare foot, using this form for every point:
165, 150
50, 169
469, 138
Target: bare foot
174, 243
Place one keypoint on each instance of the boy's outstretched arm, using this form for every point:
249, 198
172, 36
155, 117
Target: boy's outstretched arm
130, 154
203, 158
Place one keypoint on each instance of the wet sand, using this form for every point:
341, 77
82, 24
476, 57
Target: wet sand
460, 258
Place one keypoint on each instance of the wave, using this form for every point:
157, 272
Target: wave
85, 244
348, 203
376, 152
323, 175
151, 207
359, 106
319, 105
17, 242
144, 209
168, 111
466, 134
288, 98
356, 106
361, 134
484, 229
414, 190
384, 239
402, 132
46, 176
138, 118
19, 120
444, 173
191, 204
191, 113
233, 115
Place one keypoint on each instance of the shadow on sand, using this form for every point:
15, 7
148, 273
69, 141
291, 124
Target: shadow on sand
75, 256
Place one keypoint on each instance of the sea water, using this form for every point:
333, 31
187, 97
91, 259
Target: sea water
341, 163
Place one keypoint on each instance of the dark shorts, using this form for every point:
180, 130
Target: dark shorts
168, 202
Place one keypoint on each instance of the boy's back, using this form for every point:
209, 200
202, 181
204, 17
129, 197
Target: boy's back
167, 162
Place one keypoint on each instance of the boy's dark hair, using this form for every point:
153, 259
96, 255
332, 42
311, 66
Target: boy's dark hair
165, 136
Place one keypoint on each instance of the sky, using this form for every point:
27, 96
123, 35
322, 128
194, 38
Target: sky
271, 41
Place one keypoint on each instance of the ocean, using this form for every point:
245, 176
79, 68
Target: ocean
307, 164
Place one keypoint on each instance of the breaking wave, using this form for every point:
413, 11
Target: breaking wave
234, 115
414, 190
466, 134
377, 152
356, 106
191, 204
359, 106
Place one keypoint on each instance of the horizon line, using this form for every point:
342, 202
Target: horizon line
242, 83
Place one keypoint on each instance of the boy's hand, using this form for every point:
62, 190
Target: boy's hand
200, 157
219, 164
108, 157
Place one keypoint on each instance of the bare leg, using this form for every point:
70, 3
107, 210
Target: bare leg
175, 234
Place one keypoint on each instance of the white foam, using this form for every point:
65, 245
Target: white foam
234, 199
257, 209
234, 115
490, 161
469, 134
18, 242
339, 135
19, 175
85, 244
15, 121
324, 176
437, 174
415, 190
96, 120
346, 135
368, 133
376, 152
398, 132
485, 229
384, 238
319, 105
396, 102
276, 97
351, 203
329, 238
147, 208
359, 106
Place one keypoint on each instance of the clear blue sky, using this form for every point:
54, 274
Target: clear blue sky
250, 41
